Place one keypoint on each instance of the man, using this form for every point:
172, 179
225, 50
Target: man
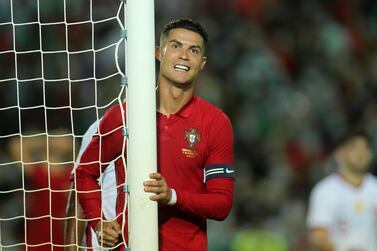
343, 206
76, 232
195, 176
45, 183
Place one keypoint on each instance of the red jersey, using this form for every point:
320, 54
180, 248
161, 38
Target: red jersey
195, 155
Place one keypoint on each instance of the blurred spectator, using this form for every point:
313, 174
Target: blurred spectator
46, 185
342, 207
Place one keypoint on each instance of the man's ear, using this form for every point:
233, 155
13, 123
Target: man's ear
204, 61
158, 53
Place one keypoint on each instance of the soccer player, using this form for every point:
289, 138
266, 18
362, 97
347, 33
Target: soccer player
195, 176
86, 235
343, 206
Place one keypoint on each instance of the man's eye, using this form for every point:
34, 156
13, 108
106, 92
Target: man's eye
195, 51
174, 46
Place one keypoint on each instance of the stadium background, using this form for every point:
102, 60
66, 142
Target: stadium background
293, 76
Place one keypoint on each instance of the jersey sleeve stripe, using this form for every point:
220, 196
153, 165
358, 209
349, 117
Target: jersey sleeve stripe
87, 137
218, 171
214, 170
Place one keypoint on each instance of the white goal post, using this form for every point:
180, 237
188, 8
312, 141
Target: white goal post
141, 112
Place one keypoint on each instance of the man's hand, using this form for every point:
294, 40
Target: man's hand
158, 186
110, 234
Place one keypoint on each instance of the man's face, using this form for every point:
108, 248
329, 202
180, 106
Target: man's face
181, 56
357, 154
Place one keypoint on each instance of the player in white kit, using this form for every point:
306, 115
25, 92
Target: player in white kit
342, 212
109, 194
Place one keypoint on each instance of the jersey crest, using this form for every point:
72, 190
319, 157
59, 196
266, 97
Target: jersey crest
192, 136
358, 206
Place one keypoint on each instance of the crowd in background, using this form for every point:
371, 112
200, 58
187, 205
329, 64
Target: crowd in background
293, 76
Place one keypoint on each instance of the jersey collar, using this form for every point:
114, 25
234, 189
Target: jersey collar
186, 110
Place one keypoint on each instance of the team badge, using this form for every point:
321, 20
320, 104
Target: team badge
192, 136
358, 206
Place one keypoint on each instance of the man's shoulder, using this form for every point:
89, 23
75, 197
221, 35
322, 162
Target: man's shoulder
326, 184
210, 110
112, 117
372, 180
205, 104
116, 109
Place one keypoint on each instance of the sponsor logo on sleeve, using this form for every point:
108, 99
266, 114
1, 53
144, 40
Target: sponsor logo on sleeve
227, 170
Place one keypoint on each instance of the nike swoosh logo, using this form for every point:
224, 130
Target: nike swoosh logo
229, 171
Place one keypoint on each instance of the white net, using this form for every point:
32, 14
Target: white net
60, 69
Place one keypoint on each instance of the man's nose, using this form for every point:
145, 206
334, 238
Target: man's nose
183, 54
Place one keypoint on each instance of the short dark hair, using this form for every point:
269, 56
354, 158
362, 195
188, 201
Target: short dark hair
187, 24
351, 135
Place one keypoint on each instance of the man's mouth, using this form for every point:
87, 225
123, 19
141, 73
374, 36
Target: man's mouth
180, 67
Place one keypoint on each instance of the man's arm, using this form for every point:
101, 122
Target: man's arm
217, 200
319, 240
103, 148
74, 227
90, 169
320, 218
215, 203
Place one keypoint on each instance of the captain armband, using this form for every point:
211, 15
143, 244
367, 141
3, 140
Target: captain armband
218, 171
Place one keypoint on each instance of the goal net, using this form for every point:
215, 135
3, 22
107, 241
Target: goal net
61, 68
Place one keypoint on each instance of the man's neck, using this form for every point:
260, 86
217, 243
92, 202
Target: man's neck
353, 178
170, 99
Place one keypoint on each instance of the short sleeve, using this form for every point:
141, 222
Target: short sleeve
320, 211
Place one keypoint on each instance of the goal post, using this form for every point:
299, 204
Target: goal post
141, 122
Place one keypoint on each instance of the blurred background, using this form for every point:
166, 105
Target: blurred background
293, 76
